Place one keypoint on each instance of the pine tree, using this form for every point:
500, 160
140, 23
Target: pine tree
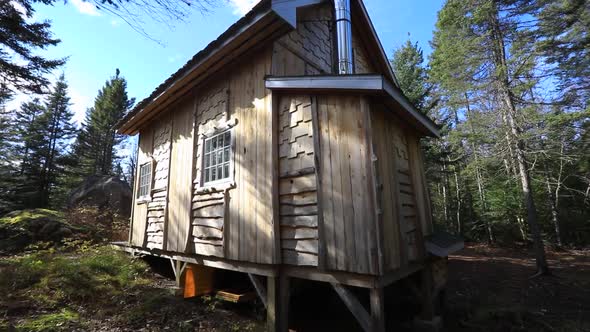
56, 130
7, 169
479, 48
29, 124
23, 38
411, 74
97, 141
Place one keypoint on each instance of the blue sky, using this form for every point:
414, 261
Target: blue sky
97, 42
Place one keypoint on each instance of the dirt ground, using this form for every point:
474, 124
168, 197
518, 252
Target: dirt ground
490, 289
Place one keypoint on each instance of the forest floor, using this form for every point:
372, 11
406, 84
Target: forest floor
490, 289
81, 286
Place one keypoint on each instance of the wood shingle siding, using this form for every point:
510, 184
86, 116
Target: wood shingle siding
298, 184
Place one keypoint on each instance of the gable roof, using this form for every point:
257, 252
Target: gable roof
267, 21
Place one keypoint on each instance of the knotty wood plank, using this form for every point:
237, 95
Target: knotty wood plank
336, 143
304, 246
201, 232
297, 185
217, 210
300, 221
208, 222
299, 258
299, 233
328, 240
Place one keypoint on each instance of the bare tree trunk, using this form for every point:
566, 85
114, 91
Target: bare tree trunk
444, 193
553, 196
519, 146
458, 210
479, 178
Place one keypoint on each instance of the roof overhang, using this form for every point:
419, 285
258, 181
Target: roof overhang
443, 244
363, 84
252, 31
267, 21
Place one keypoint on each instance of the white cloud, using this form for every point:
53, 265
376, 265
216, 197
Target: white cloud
85, 7
115, 22
241, 7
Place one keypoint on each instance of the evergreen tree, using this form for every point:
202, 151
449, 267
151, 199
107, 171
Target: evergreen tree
480, 47
564, 38
411, 74
98, 140
7, 169
56, 129
21, 67
29, 127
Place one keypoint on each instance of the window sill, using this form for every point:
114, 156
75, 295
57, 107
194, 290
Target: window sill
143, 200
214, 187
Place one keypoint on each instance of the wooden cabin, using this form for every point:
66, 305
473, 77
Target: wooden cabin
285, 149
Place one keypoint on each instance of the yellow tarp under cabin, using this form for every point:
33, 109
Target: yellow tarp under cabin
285, 149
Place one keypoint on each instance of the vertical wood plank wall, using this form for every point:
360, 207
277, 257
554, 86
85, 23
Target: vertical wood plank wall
139, 224
181, 178
297, 186
250, 224
402, 192
347, 214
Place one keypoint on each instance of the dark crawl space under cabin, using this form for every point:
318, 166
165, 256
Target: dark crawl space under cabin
285, 149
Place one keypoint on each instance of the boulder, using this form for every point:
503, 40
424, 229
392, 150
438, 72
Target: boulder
21, 228
103, 192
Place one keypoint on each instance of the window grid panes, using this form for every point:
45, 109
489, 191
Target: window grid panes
145, 178
216, 157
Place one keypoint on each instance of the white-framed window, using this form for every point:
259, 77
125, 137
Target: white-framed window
145, 181
217, 158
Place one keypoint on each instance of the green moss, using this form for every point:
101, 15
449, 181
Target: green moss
63, 320
17, 217
52, 279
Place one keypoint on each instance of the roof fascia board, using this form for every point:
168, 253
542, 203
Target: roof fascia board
359, 83
403, 101
125, 123
287, 9
366, 83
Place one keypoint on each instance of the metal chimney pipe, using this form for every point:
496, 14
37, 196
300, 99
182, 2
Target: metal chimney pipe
343, 36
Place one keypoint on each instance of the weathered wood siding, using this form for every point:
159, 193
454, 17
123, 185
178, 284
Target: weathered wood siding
156, 216
362, 60
307, 50
181, 178
235, 220
349, 223
298, 192
209, 206
139, 223
402, 196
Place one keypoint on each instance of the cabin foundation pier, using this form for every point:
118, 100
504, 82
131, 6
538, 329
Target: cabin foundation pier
277, 303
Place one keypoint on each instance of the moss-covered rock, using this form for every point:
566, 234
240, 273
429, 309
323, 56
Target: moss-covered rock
19, 229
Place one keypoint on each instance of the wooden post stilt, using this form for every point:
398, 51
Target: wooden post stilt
277, 304
427, 293
428, 321
378, 309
